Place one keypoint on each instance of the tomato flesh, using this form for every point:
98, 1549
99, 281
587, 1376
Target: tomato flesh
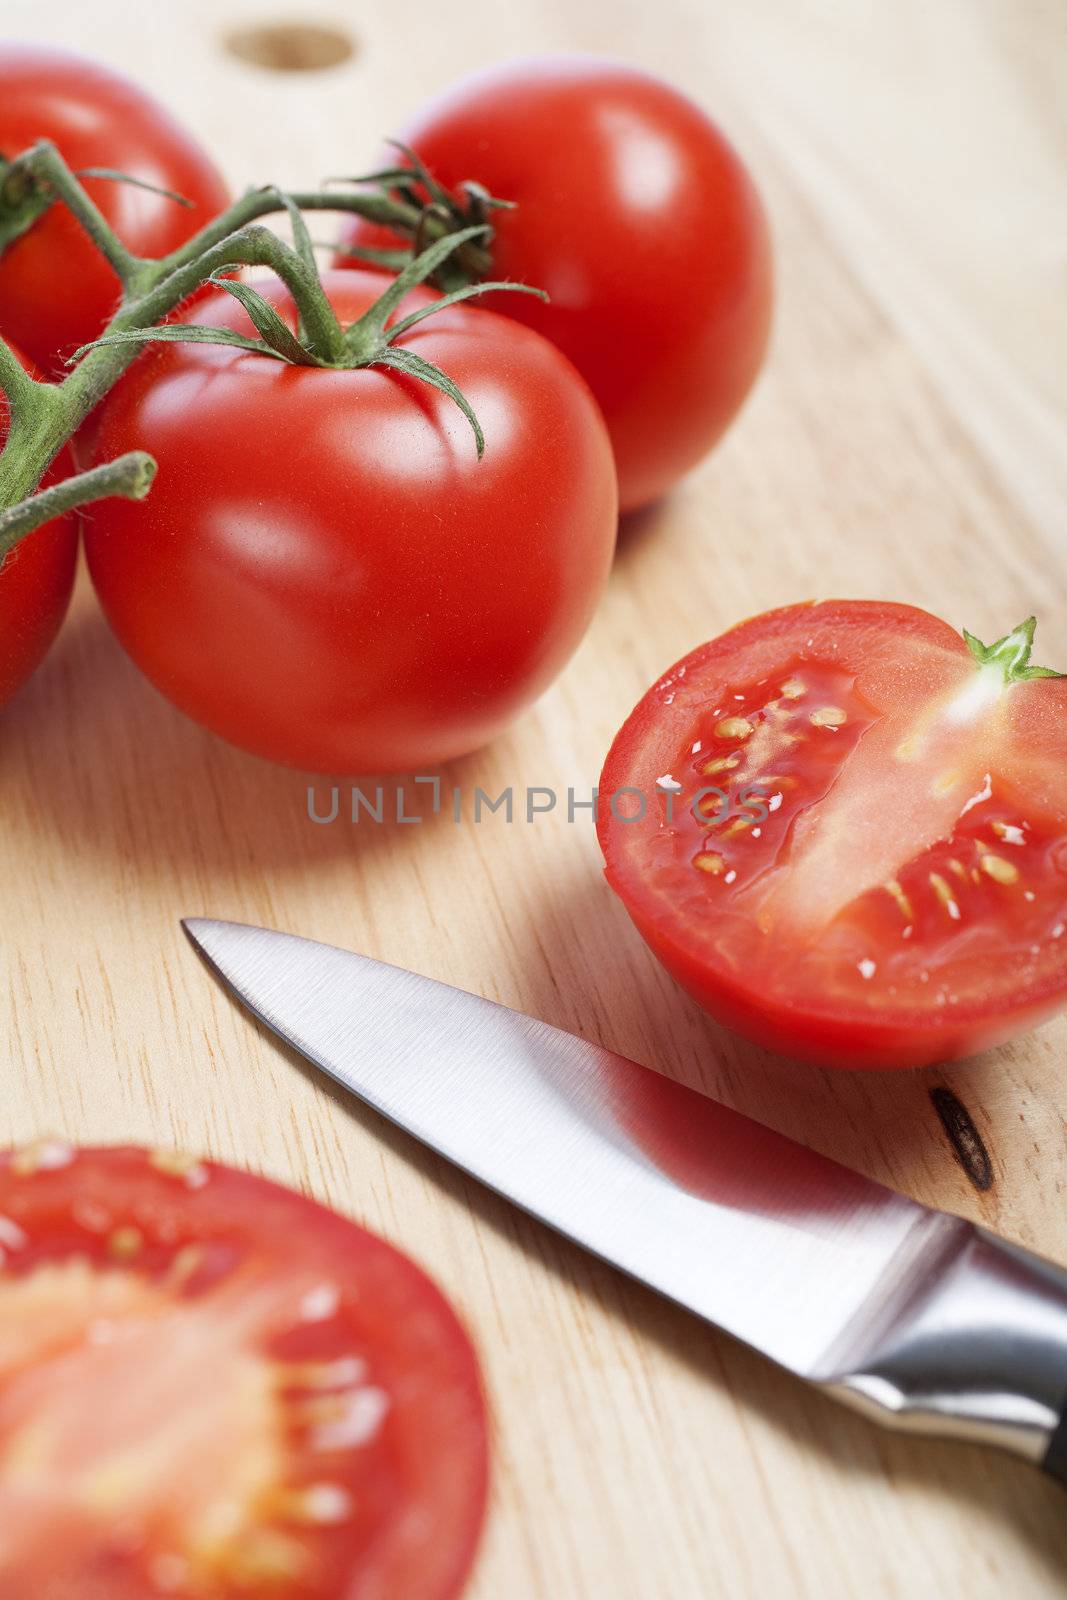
899, 896
211, 1387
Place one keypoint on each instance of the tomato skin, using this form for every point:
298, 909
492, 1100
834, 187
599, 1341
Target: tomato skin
749, 994
372, 598
36, 581
417, 1489
56, 289
640, 221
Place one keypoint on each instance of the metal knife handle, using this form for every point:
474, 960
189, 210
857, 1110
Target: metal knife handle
971, 1341
1055, 1462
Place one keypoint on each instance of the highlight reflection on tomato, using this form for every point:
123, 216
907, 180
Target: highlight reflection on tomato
905, 899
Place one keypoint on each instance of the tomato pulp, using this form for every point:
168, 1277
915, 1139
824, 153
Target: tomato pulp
902, 898
211, 1387
56, 289
324, 572
636, 215
36, 580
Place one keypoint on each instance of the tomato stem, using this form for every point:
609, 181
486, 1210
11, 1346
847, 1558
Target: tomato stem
40, 176
15, 381
1010, 655
129, 477
424, 210
45, 415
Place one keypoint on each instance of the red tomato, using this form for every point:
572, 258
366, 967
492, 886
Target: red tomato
35, 585
212, 1387
899, 894
639, 219
56, 289
324, 572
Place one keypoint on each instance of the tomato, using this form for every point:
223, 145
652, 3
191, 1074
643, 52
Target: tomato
882, 880
324, 572
36, 580
56, 290
213, 1387
637, 216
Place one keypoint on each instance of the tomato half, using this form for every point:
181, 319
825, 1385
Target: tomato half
56, 289
638, 217
324, 572
36, 580
882, 880
211, 1387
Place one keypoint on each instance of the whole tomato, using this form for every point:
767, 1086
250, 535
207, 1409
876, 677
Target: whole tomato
36, 580
56, 289
640, 220
324, 572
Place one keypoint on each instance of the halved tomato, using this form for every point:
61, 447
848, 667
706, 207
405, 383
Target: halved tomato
843, 828
211, 1387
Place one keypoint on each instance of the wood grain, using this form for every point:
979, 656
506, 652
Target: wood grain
906, 442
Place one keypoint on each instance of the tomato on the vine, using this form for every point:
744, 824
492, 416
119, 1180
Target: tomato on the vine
324, 572
56, 289
640, 220
213, 1387
36, 580
848, 836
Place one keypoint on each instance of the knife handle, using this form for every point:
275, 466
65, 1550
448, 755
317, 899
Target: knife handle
1055, 1462
969, 1341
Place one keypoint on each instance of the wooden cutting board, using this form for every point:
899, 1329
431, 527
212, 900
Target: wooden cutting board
906, 442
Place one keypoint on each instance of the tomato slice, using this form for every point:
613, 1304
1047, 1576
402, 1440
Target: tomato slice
848, 834
211, 1387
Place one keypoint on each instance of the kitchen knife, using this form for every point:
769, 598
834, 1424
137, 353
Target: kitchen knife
917, 1317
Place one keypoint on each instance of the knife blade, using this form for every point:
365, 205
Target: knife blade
913, 1315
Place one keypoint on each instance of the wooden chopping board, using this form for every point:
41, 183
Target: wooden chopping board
907, 442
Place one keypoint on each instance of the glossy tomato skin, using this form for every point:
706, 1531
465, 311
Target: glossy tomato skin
259, 1319
736, 960
324, 573
56, 289
36, 581
638, 218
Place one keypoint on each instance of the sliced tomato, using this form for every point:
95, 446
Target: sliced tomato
847, 835
211, 1387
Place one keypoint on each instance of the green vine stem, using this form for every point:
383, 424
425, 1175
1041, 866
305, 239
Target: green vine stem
44, 415
36, 179
129, 476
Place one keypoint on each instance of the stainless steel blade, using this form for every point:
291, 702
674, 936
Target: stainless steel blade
812, 1264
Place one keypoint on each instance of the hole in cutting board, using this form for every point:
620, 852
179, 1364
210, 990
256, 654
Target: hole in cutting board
290, 46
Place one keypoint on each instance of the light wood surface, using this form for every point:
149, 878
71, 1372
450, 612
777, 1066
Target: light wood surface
907, 441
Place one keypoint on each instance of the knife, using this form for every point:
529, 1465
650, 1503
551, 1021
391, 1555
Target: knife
917, 1317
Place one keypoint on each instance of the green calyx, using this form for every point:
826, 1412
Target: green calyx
422, 208
22, 200
1011, 655
320, 341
